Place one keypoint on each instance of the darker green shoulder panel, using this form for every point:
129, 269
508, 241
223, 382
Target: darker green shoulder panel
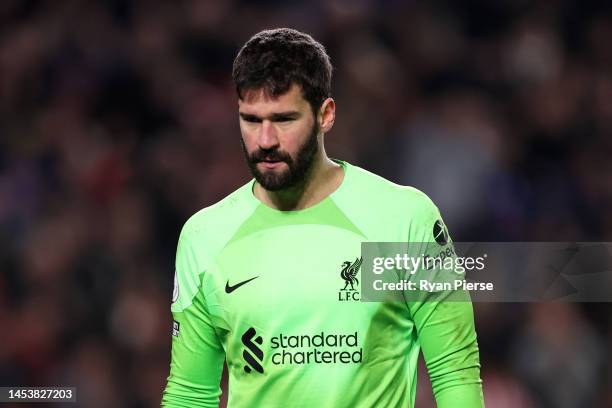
213, 226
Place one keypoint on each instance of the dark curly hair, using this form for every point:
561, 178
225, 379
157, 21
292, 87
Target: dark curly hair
273, 60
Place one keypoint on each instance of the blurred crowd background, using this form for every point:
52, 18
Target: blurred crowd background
118, 120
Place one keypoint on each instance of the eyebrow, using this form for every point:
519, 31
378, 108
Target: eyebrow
274, 116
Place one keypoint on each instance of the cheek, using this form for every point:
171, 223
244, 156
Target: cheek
248, 138
294, 139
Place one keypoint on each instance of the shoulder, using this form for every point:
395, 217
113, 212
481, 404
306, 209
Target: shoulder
390, 196
219, 218
384, 210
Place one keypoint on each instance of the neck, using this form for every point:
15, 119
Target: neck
324, 178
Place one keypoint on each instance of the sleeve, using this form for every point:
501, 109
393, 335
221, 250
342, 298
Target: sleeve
197, 353
445, 327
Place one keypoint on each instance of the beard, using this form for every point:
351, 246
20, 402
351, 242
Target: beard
297, 170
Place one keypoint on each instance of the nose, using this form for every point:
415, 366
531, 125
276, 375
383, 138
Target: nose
268, 137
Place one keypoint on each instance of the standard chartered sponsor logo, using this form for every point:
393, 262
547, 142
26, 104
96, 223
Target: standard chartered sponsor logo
320, 348
253, 354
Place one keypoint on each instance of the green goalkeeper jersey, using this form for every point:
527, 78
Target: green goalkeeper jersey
269, 292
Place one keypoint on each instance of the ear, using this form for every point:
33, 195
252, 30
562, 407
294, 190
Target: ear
327, 115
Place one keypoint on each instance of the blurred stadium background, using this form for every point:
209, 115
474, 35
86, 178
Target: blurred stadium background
118, 121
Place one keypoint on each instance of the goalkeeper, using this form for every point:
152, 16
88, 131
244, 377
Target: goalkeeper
268, 278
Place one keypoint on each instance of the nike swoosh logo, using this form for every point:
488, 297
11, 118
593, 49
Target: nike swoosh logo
230, 289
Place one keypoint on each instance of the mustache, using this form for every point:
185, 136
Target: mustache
270, 155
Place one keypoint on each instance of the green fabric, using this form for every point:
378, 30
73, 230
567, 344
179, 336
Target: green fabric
298, 321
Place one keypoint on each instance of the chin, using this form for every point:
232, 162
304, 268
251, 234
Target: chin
272, 181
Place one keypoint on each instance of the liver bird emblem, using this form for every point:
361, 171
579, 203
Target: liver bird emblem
349, 273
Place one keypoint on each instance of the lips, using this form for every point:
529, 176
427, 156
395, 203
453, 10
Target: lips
268, 164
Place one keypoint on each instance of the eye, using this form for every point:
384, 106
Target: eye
284, 120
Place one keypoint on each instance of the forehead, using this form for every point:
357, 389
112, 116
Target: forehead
259, 102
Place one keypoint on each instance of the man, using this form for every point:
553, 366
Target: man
268, 278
